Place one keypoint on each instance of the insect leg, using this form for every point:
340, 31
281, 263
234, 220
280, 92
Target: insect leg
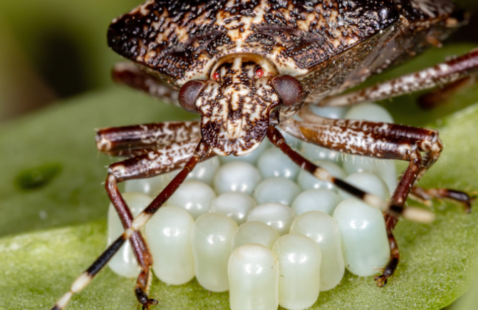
440, 96
414, 214
379, 140
146, 165
132, 76
426, 194
448, 72
139, 139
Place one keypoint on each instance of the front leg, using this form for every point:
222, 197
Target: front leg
147, 165
379, 140
143, 166
136, 140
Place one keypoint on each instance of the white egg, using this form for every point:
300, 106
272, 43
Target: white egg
329, 112
369, 112
383, 168
364, 237
250, 158
124, 262
367, 182
274, 163
313, 153
194, 197
236, 205
151, 186
299, 261
279, 190
255, 232
308, 181
321, 228
205, 171
276, 215
211, 241
236, 177
168, 236
321, 199
253, 272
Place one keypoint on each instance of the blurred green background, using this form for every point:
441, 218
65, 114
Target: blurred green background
53, 49
54, 60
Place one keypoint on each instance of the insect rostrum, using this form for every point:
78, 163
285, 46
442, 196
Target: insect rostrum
247, 68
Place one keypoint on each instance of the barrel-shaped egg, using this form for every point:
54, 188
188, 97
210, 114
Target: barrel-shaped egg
255, 232
321, 199
276, 215
322, 228
364, 238
236, 176
193, 196
168, 238
253, 272
274, 163
280, 190
124, 262
204, 171
236, 205
299, 260
211, 240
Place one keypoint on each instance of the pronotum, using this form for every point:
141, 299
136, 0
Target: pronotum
246, 67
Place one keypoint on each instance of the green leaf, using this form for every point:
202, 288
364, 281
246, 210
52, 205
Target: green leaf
57, 147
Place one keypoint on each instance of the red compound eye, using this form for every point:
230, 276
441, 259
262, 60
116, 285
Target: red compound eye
215, 76
259, 72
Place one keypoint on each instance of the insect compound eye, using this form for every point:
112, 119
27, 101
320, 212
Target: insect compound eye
259, 73
189, 94
289, 89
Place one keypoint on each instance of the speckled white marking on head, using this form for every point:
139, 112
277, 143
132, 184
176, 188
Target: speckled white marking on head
235, 105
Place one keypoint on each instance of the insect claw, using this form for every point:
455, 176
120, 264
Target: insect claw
150, 302
381, 280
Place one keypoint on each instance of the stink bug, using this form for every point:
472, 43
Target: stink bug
246, 67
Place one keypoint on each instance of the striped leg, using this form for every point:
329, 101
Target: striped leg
441, 74
424, 195
380, 140
82, 281
414, 214
139, 139
143, 166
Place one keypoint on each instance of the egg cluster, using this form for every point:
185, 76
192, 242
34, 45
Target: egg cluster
263, 229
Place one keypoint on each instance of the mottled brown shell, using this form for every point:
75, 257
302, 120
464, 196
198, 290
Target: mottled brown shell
182, 40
